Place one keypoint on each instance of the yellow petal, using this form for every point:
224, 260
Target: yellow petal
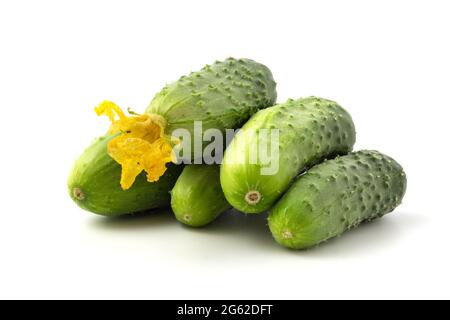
109, 109
154, 162
129, 173
141, 145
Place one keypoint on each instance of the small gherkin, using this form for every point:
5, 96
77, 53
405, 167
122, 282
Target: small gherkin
336, 196
197, 198
310, 130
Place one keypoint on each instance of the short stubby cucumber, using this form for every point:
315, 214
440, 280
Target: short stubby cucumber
94, 184
335, 196
309, 130
197, 198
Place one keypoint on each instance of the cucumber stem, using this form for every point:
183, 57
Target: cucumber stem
253, 197
286, 234
78, 194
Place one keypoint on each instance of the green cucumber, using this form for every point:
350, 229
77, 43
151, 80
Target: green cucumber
335, 196
222, 96
197, 198
310, 130
94, 184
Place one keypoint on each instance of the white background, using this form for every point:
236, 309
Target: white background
386, 62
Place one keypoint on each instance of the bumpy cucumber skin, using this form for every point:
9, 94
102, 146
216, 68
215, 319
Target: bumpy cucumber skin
222, 95
311, 129
94, 184
336, 196
197, 198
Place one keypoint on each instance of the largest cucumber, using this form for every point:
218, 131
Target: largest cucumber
310, 129
335, 196
222, 96
94, 184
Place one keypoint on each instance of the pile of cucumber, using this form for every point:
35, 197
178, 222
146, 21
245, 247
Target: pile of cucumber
320, 190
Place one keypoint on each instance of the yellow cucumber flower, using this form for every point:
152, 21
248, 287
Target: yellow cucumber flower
142, 144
